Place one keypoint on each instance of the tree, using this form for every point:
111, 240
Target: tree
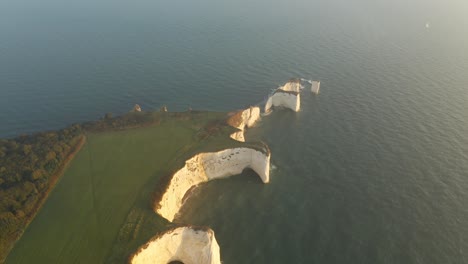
11, 145
58, 149
27, 149
37, 174
51, 165
51, 155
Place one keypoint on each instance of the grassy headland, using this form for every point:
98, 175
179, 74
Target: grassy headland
100, 211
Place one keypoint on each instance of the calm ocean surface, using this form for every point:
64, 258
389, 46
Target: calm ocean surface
373, 170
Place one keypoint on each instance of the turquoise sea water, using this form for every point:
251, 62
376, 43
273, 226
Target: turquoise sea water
373, 170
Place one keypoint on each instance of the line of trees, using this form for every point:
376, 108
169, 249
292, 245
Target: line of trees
26, 164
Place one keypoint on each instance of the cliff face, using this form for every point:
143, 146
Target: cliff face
242, 120
239, 136
185, 244
207, 166
315, 88
233, 161
285, 99
287, 96
252, 115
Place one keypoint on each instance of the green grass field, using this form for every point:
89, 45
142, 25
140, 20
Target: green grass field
100, 210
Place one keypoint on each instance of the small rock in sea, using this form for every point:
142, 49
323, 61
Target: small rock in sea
137, 108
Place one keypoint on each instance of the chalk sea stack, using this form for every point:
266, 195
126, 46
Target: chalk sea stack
315, 87
287, 96
137, 108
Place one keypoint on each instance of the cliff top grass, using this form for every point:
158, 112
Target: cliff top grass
100, 211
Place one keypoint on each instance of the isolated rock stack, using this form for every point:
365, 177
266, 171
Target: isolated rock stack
137, 108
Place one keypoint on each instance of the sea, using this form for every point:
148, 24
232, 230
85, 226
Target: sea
374, 169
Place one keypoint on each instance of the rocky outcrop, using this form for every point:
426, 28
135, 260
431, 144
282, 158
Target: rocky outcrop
188, 245
242, 120
204, 167
238, 136
293, 85
286, 99
315, 88
287, 96
137, 108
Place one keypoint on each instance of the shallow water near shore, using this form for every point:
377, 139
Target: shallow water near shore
372, 170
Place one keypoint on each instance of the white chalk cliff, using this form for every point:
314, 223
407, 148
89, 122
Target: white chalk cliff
204, 167
287, 96
185, 244
242, 120
286, 99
